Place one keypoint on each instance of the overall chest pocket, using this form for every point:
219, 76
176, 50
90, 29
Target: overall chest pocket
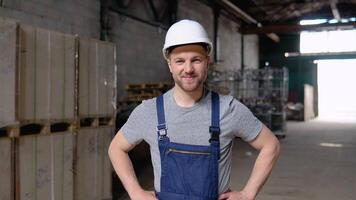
188, 172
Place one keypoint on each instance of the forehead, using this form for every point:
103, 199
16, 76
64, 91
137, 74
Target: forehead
189, 49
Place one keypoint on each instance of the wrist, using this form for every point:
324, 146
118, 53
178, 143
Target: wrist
250, 194
135, 192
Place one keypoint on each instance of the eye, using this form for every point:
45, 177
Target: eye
179, 62
197, 60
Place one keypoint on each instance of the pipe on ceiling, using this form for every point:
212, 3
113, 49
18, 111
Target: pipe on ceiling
246, 17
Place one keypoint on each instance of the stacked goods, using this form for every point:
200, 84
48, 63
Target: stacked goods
46, 75
8, 52
97, 78
93, 169
46, 166
37, 74
46, 85
140, 92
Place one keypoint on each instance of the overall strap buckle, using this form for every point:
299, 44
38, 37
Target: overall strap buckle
161, 127
215, 132
161, 130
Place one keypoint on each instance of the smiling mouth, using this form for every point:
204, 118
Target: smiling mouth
189, 77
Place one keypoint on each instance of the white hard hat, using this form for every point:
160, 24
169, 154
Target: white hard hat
186, 32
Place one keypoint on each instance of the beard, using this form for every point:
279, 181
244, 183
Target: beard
190, 85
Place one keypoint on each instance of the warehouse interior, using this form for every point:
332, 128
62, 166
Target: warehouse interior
71, 72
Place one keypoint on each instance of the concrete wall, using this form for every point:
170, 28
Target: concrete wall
229, 45
198, 11
139, 44
251, 52
142, 9
139, 52
74, 17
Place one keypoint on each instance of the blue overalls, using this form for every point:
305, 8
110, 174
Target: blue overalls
189, 172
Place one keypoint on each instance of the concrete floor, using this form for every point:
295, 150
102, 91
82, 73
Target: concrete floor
318, 162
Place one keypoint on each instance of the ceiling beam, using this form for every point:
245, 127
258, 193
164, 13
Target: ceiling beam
154, 10
318, 56
296, 28
247, 18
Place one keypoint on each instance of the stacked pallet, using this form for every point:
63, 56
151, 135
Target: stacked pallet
140, 92
57, 113
37, 77
8, 64
97, 100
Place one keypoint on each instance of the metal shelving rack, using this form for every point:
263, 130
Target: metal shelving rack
263, 91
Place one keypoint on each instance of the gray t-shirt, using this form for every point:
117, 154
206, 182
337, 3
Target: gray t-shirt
191, 126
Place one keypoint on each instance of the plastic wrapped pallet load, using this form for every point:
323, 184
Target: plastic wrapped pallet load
46, 166
8, 52
46, 74
6, 172
97, 78
93, 168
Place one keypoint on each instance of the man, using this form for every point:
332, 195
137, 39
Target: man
191, 130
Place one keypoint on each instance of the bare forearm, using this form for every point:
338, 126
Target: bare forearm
262, 169
124, 169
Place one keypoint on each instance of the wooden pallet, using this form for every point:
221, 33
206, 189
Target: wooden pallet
140, 97
148, 86
144, 91
96, 121
37, 127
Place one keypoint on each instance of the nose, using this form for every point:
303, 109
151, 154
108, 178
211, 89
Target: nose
189, 68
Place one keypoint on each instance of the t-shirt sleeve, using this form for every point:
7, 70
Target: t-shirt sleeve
244, 123
132, 129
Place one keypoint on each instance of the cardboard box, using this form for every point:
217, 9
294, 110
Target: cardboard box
97, 78
8, 64
93, 169
47, 75
46, 166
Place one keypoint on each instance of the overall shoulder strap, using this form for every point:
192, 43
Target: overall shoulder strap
161, 127
214, 129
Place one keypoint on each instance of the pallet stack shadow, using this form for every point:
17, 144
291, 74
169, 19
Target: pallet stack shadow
263, 91
56, 114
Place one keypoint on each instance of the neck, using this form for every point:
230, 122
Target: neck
187, 99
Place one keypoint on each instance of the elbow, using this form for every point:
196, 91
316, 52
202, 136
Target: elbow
276, 149
111, 150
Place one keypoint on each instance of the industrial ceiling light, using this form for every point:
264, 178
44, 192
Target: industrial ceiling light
312, 21
333, 21
327, 144
344, 20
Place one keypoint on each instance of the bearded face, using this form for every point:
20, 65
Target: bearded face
189, 67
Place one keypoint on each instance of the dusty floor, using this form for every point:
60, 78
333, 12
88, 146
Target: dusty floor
318, 162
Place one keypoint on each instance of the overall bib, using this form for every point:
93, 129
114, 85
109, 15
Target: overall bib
189, 172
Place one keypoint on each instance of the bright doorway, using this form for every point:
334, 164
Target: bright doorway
337, 90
